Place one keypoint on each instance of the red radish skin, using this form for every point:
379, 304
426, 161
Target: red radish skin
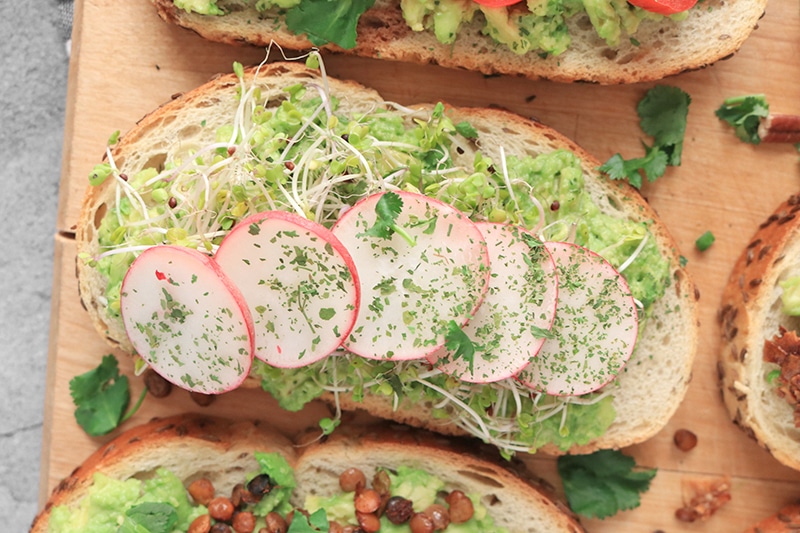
187, 319
300, 284
595, 328
410, 293
520, 304
664, 7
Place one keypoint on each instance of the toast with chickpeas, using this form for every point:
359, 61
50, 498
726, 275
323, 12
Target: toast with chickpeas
605, 41
195, 473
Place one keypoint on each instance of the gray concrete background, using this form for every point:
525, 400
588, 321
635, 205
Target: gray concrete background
33, 70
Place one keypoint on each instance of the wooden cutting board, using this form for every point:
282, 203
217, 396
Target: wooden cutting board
126, 62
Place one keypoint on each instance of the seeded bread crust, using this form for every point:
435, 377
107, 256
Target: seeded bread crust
194, 446
750, 314
787, 520
190, 446
653, 383
713, 31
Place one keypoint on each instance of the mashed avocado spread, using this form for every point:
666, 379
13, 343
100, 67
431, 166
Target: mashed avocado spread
538, 26
304, 155
108, 503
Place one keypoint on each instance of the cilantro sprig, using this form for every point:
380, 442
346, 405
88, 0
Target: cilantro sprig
460, 344
744, 114
101, 397
601, 484
662, 115
388, 208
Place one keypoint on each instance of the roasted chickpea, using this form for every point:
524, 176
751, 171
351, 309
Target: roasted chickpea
439, 515
399, 510
201, 524
244, 522
352, 479
420, 523
275, 523
369, 522
367, 501
220, 508
201, 491
461, 508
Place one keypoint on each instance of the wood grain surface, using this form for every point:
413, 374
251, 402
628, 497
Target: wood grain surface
126, 62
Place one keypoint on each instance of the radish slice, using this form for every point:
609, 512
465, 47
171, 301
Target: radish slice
187, 320
410, 292
516, 314
595, 328
299, 282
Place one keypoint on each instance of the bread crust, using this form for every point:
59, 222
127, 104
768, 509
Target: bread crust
464, 464
662, 48
647, 392
189, 445
786, 520
749, 315
193, 446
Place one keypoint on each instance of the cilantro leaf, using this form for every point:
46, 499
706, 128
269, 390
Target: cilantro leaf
149, 517
318, 521
460, 344
327, 21
745, 113
601, 484
101, 397
662, 115
388, 208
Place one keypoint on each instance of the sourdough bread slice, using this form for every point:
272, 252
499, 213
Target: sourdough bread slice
651, 386
751, 314
190, 446
515, 498
222, 451
713, 30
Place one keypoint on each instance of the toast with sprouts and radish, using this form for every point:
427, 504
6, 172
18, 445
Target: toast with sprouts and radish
465, 270
760, 343
601, 41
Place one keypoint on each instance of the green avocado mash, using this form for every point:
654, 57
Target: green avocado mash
534, 26
105, 508
302, 154
790, 298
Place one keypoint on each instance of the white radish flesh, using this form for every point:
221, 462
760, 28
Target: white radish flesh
518, 310
409, 293
595, 329
187, 320
299, 282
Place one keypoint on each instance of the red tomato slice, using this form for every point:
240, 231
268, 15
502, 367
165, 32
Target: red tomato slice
664, 7
497, 3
